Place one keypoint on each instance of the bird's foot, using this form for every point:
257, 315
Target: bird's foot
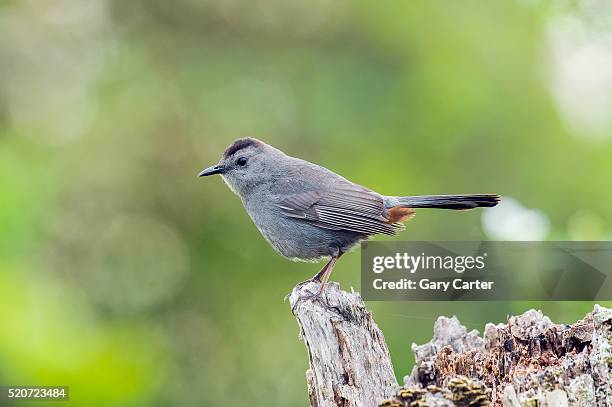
307, 295
299, 287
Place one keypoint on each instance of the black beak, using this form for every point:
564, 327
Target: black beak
217, 169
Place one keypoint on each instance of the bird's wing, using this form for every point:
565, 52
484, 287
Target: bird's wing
347, 207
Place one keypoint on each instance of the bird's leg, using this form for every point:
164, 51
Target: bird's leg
322, 276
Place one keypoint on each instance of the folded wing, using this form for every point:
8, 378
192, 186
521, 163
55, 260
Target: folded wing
348, 207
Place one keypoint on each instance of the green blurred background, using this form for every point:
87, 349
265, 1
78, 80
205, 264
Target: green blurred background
132, 281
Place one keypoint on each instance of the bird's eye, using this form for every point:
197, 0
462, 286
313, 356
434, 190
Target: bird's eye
242, 161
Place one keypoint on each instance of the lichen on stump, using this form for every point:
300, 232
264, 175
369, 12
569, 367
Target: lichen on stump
458, 391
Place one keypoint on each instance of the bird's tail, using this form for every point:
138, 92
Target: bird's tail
449, 201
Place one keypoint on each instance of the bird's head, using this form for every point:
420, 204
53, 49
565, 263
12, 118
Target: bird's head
246, 163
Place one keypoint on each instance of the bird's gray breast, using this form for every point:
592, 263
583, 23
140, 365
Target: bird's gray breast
294, 238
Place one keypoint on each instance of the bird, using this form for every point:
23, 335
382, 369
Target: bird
307, 212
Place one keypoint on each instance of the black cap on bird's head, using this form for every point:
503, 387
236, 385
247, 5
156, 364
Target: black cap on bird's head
241, 144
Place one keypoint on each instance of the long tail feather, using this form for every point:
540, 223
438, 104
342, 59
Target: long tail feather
449, 201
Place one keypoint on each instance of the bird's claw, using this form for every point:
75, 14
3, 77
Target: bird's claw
311, 296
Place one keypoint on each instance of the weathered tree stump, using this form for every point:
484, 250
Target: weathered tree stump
349, 360
528, 361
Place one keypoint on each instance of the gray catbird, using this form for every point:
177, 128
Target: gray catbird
309, 213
